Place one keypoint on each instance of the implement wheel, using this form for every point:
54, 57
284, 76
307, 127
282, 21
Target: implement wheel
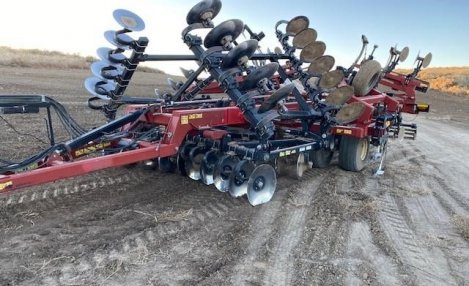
367, 77
353, 153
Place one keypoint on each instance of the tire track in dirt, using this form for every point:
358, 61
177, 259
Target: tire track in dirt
194, 209
365, 261
133, 248
252, 268
89, 183
407, 245
323, 241
280, 269
434, 227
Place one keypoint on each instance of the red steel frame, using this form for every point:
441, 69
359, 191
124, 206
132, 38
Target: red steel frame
180, 123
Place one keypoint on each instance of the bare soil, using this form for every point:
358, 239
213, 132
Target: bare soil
130, 226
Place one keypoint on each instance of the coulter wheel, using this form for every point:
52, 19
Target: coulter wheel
353, 153
261, 184
367, 77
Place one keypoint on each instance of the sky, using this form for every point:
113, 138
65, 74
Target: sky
437, 26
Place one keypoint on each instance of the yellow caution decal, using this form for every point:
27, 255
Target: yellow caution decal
4, 186
92, 148
185, 118
343, 131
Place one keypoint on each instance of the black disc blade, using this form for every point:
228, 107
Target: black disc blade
251, 81
224, 33
202, 11
278, 95
240, 54
128, 20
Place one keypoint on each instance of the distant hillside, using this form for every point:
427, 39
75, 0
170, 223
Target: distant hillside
446, 79
35, 58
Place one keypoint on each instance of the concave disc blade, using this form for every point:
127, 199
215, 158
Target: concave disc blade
304, 38
251, 81
278, 95
202, 11
192, 164
312, 51
261, 184
207, 166
238, 182
296, 25
227, 31
331, 79
321, 65
128, 20
222, 172
104, 70
239, 54
340, 95
350, 112
99, 87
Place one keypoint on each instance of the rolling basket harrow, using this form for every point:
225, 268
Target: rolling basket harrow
280, 112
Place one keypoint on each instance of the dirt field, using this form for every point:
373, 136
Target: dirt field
137, 227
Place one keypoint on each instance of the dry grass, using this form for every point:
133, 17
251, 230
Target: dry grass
35, 58
446, 79
462, 224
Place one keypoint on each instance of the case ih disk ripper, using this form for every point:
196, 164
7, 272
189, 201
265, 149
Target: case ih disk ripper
281, 112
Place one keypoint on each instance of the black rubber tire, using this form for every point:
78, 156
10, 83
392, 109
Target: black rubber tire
321, 158
367, 77
353, 153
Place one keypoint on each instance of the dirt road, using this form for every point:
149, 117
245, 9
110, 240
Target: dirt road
139, 227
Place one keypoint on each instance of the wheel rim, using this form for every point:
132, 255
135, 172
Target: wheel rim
374, 80
363, 148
